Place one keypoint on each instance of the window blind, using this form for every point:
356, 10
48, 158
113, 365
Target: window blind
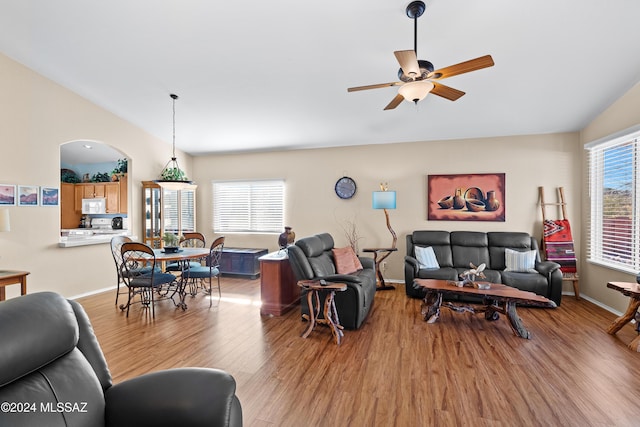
614, 191
248, 206
183, 215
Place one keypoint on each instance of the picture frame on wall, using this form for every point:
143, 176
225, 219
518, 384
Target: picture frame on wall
49, 196
7, 195
28, 195
466, 197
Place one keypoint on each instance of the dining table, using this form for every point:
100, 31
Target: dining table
183, 257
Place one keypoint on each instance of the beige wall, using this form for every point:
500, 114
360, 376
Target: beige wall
623, 114
312, 206
38, 116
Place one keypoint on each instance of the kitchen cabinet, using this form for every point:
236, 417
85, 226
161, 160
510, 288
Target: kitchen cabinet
109, 190
167, 207
69, 217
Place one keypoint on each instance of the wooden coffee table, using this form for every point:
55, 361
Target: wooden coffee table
497, 299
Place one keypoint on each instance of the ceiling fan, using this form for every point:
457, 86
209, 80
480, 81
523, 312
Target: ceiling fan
417, 76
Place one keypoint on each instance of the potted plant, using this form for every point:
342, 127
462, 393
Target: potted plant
170, 242
120, 169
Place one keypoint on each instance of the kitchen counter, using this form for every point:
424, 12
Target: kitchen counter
89, 236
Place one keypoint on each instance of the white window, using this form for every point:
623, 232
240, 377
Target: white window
614, 190
248, 206
184, 220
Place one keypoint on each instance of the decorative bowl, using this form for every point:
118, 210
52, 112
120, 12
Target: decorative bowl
446, 202
171, 249
475, 205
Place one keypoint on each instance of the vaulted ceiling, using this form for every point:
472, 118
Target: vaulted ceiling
264, 75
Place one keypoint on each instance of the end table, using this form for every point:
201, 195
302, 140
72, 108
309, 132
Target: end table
385, 252
10, 277
313, 288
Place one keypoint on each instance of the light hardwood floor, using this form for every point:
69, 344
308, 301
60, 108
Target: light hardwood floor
396, 370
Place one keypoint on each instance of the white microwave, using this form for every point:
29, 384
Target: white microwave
94, 206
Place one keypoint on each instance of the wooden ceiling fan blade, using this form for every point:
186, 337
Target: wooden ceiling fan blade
446, 91
354, 89
463, 67
394, 102
408, 62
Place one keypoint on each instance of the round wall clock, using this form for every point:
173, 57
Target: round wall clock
345, 187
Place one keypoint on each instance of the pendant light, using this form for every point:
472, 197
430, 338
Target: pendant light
172, 172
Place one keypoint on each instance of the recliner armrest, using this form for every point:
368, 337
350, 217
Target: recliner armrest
183, 396
413, 263
546, 267
341, 278
367, 263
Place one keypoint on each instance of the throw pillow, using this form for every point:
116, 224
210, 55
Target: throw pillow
523, 262
346, 260
426, 257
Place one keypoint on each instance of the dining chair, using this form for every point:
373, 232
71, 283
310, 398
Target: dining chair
212, 269
116, 244
141, 275
189, 240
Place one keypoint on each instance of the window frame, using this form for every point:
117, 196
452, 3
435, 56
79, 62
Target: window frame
254, 223
597, 243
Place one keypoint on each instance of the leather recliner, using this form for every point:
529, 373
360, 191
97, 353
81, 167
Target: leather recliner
53, 373
311, 258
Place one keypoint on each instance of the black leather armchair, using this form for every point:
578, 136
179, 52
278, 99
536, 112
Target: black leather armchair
53, 373
311, 258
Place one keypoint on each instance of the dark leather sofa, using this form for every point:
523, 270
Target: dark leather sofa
456, 249
53, 373
312, 258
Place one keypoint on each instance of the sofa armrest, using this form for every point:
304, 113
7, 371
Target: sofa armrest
411, 261
546, 267
183, 396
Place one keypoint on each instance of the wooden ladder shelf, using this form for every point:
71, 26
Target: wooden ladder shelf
569, 276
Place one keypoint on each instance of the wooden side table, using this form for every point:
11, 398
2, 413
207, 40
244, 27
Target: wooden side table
313, 288
385, 252
13, 277
632, 290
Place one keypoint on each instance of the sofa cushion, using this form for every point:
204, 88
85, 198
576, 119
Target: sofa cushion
346, 260
443, 273
440, 242
469, 247
500, 240
520, 261
426, 257
536, 283
311, 246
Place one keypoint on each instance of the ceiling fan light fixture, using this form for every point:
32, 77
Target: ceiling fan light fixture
416, 91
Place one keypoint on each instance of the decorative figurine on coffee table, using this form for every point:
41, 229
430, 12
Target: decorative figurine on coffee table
469, 276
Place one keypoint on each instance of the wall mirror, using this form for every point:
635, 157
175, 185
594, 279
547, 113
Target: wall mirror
93, 170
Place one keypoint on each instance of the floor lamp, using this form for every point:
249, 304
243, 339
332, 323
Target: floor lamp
384, 200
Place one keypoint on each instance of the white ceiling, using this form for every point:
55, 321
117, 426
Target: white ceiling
262, 75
